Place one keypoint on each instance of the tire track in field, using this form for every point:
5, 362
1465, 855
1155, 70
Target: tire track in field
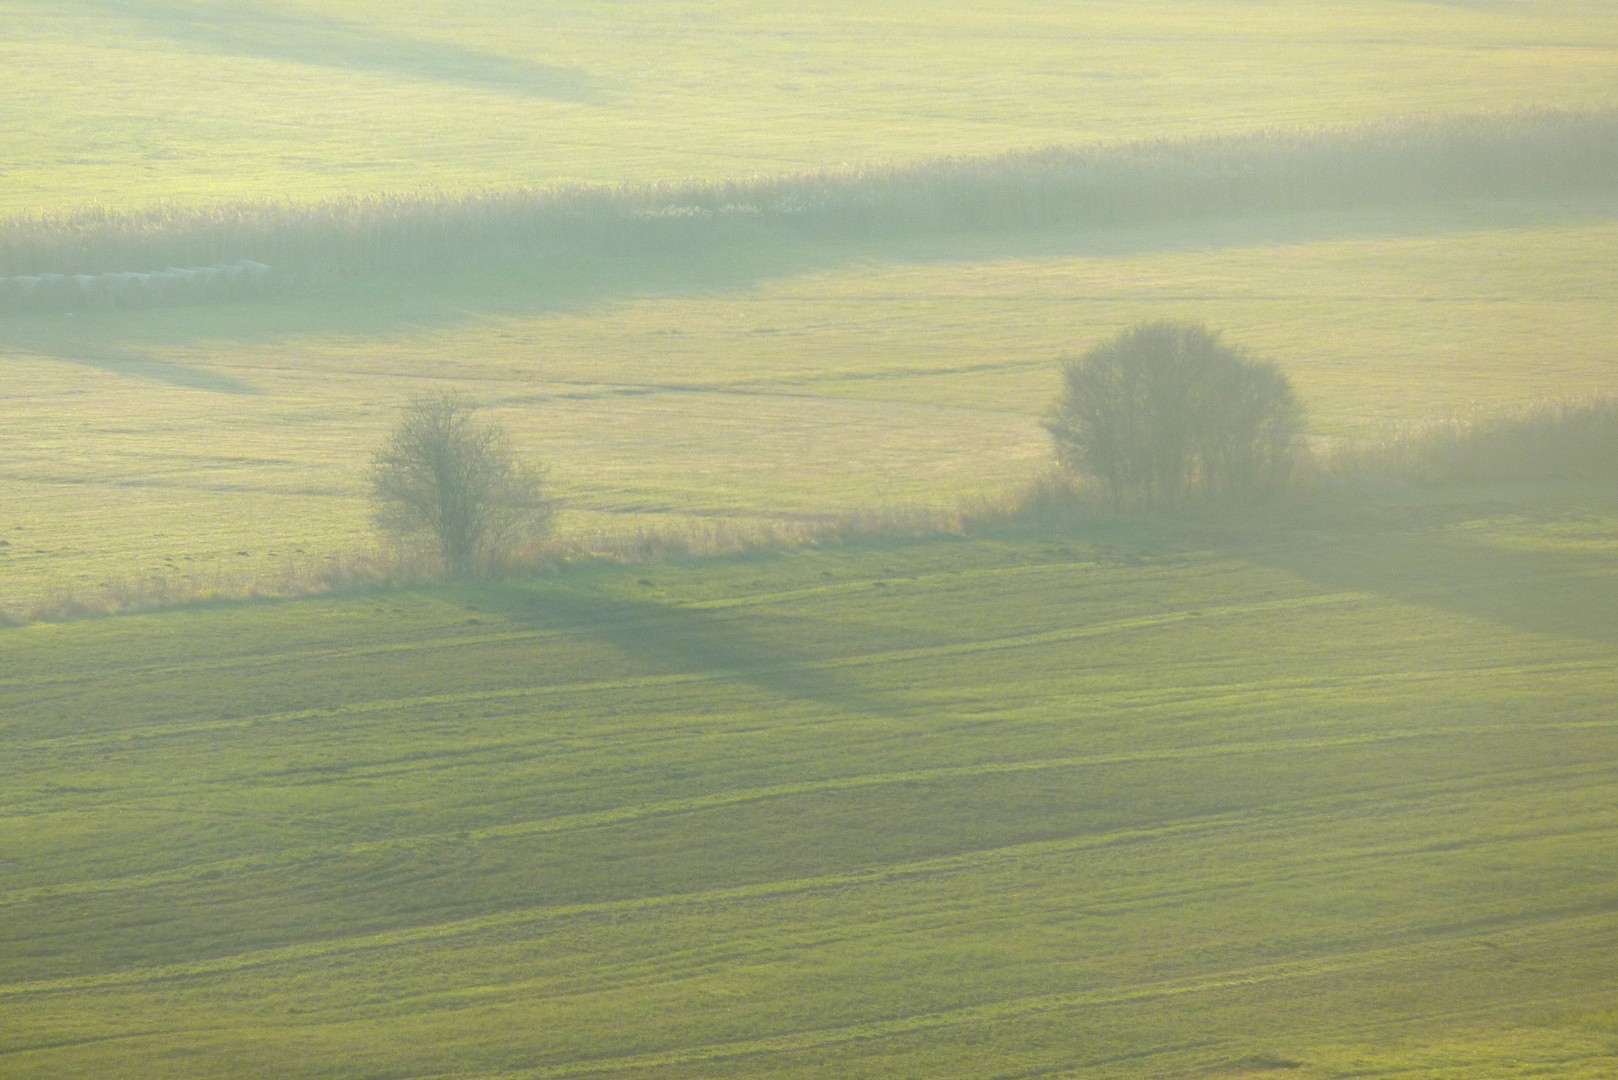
172, 668
1225, 696
964, 578
1418, 954
857, 587
285, 859
974, 861
320, 950
775, 386
1136, 696
1059, 636
959, 580
1305, 871
946, 865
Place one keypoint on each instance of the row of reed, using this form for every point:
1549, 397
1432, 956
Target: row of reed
1540, 154
1543, 443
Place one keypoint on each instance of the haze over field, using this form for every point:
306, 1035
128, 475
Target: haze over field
122, 102
833, 731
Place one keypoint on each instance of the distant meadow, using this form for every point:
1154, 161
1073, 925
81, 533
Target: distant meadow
139, 104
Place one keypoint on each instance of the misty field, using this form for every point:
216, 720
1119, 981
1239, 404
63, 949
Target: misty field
1102, 799
213, 447
226, 442
140, 102
937, 777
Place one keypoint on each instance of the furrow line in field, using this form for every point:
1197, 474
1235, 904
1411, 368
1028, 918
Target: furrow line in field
548, 913
1132, 697
265, 660
1335, 964
1010, 641
415, 645
622, 815
962, 577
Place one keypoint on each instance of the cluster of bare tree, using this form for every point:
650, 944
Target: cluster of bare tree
1166, 411
448, 480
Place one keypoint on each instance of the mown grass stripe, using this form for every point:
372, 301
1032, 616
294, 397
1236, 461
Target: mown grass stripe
447, 638
1133, 697
291, 656
292, 857
931, 652
1341, 963
506, 919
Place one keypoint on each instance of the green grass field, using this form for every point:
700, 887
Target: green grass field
1103, 800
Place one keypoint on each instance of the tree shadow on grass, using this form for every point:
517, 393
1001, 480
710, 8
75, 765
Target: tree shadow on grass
262, 33
1449, 565
515, 286
131, 341
672, 639
105, 353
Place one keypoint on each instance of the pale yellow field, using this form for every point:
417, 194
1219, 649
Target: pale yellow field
124, 102
764, 385
229, 440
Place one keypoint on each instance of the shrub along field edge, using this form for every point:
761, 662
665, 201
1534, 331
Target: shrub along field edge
1547, 443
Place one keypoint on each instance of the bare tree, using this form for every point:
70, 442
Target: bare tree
448, 477
1166, 410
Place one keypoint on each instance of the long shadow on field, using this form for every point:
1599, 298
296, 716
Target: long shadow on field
388, 306
104, 353
1448, 568
259, 32
669, 639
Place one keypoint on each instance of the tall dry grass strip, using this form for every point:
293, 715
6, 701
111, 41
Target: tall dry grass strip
1542, 154
1553, 442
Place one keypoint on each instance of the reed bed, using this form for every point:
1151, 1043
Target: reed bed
1548, 443
1539, 154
